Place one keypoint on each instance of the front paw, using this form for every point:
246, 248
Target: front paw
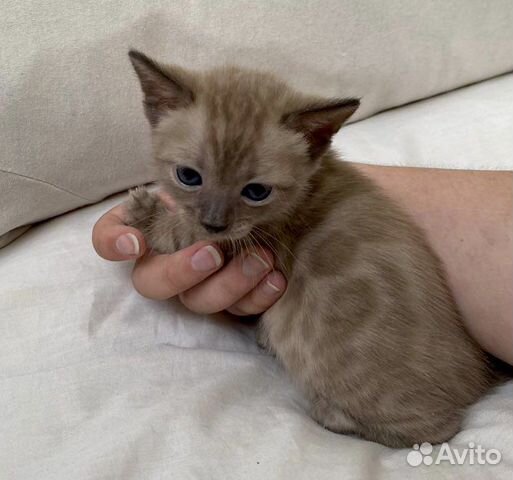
141, 207
262, 339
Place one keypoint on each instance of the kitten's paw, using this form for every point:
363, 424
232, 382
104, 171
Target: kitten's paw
141, 206
263, 340
331, 418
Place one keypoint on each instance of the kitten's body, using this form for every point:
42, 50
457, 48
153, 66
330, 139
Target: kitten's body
367, 325
386, 355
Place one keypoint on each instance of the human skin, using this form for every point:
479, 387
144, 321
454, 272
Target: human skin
246, 285
466, 215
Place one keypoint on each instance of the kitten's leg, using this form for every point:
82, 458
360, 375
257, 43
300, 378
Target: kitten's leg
147, 213
332, 418
395, 435
415, 429
141, 208
262, 338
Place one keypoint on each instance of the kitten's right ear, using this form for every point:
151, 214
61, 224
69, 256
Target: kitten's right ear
165, 88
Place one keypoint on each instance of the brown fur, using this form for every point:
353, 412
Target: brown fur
367, 325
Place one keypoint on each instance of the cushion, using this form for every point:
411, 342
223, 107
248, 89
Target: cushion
72, 130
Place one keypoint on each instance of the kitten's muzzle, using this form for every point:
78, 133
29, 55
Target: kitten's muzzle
210, 228
214, 215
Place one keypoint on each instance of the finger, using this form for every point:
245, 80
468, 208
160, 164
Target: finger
165, 276
268, 291
232, 283
113, 240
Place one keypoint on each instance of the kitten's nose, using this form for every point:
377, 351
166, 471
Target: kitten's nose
214, 228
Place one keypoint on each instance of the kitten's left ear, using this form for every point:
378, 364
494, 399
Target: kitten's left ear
319, 122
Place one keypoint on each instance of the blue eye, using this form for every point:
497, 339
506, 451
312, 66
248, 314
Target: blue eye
256, 192
188, 176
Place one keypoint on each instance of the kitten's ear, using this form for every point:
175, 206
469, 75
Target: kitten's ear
164, 88
319, 122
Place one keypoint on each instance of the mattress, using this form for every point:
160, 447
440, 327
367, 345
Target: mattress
97, 382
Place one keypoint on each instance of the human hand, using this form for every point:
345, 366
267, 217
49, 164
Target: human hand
246, 285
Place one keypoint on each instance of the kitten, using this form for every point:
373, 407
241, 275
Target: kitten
367, 326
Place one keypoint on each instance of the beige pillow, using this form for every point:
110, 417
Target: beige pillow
72, 129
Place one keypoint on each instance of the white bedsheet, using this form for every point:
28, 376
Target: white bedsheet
97, 382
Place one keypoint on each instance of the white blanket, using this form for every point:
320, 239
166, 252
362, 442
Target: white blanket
97, 382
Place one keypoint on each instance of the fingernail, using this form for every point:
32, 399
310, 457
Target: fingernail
205, 259
254, 265
270, 289
271, 286
128, 244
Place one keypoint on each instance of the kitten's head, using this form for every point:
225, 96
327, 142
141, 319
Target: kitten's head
235, 148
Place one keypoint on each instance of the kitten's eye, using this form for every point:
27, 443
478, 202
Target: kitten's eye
256, 192
188, 176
